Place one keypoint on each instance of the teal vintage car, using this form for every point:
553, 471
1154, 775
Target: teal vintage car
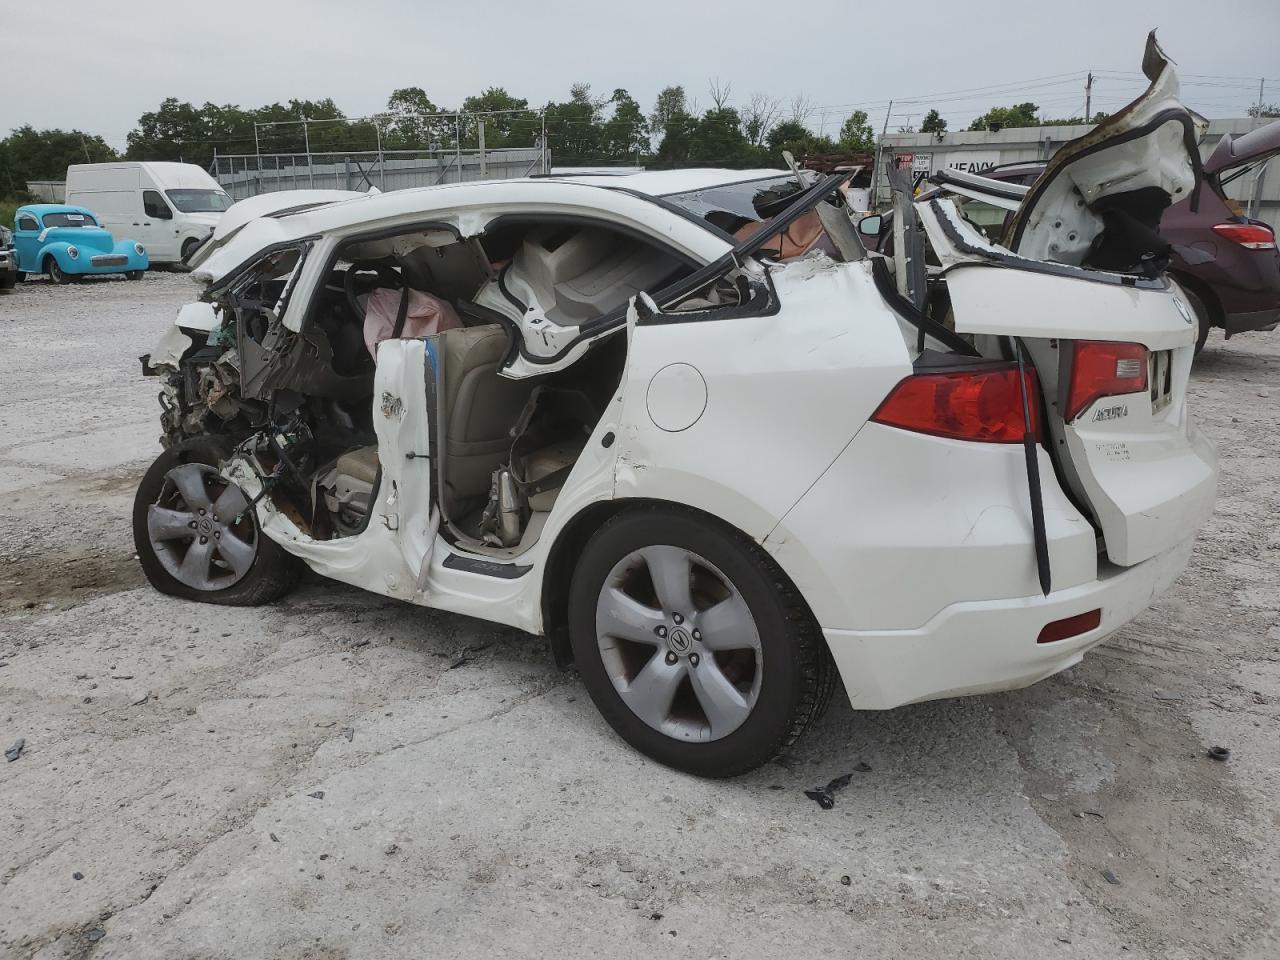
65, 242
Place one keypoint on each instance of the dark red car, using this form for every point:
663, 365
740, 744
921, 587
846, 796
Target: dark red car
1237, 286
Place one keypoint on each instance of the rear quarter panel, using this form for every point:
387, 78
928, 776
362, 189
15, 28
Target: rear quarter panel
782, 395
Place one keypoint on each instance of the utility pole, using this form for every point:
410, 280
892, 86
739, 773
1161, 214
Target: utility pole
1088, 98
306, 136
875, 182
1262, 86
484, 167
382, 161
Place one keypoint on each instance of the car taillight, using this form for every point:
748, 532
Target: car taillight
1251, 236
983, 404
1070, 627
1104, 368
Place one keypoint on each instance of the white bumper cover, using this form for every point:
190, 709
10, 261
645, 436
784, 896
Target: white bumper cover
989, 645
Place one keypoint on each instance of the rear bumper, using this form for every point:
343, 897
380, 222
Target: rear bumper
989, 645
1252, 320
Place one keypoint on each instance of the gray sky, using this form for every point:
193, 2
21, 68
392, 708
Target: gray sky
97, 65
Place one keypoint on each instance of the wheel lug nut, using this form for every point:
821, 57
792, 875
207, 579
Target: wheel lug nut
192, 524
671, 658
661, 631
204, 539
202, 512
217, 535
677, 618
693, 659
697, 635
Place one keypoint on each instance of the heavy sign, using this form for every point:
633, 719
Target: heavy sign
973, 161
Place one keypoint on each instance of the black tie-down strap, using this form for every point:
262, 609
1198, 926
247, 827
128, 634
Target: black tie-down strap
401, 314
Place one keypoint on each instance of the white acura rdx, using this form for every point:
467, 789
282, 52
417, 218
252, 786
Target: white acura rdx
682, 424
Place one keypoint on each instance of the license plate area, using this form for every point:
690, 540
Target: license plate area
1160, 378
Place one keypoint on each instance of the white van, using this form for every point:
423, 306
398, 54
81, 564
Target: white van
167, 207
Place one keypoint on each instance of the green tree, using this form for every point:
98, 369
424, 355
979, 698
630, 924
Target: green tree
788, 135
933, 123
677, 136
625, 135
719, 141
670, 103
403, 123
1071, 121
176, 130
503, 129
574, 127
1018, 115
800, 140
856, 134
1260, 110
31, 154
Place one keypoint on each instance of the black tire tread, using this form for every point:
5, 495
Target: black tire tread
276, 572
817, 668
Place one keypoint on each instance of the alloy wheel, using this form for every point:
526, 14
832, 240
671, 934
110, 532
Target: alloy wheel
679, 643
202, 528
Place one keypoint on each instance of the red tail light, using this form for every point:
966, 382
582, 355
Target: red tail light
1070, 627
983, 404
1104, 368
1251, 236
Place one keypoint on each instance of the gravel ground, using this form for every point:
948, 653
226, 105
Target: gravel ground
322, 778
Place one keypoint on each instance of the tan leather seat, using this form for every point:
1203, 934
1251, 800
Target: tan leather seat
480, 409
361, 463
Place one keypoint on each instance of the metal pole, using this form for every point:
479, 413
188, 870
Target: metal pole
1262, 86
543, 114
257, 149
484, 167
382, 161
1255, 195
457, 141
875, 183
306, 136
1088, 98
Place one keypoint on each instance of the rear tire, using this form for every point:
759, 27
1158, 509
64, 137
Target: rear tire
230, 563
188, 248
713, 694
134, 275
55, 272
1204, 317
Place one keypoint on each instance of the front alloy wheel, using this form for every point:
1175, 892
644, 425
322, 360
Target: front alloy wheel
197, 535
200, 528
692, 643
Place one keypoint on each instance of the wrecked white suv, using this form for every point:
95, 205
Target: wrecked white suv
683, 426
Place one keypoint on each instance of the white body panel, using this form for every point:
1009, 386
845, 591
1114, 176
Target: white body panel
116, 191
900, 542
